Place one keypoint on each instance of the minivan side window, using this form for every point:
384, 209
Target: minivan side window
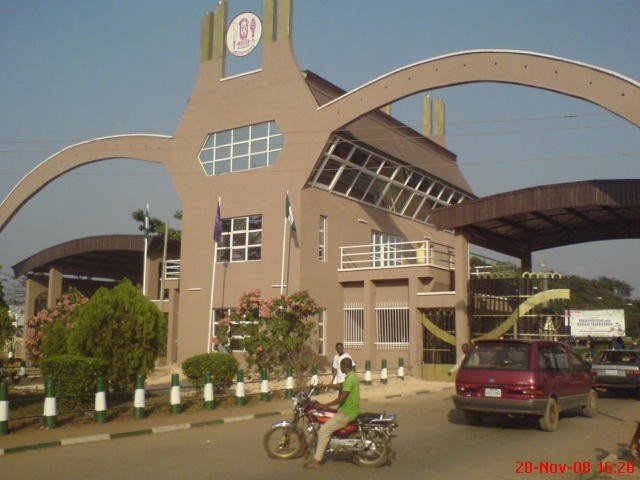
560, 356
546, 359
577, 365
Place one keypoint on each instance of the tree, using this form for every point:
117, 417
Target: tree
277, 330
43, 322
122, 327
157, 226
7, 330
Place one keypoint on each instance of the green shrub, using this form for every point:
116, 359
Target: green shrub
123, 327
222, 366
74, 378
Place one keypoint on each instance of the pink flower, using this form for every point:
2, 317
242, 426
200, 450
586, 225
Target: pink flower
216, 342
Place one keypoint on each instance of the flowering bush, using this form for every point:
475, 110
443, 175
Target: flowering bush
62, 313
277, 330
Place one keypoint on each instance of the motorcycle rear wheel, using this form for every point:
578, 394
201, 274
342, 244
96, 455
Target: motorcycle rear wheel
284, 443
377, 454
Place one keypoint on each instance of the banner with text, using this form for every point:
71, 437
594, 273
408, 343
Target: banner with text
597, 323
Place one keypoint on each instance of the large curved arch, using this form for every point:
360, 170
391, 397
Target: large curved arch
149, 148
610, 90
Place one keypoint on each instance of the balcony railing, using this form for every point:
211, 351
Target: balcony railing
172, 271
419, 253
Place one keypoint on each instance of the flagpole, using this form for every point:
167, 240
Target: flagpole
146, 246
284, 235
213, 282
164, 265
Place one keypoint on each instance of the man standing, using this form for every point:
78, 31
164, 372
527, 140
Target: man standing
348, 402
336, 371
456, 367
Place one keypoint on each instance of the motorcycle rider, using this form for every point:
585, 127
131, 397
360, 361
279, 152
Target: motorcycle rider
348, 401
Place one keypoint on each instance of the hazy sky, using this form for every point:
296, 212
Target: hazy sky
76, 70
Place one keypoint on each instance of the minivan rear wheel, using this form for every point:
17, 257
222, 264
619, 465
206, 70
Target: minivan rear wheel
549, 421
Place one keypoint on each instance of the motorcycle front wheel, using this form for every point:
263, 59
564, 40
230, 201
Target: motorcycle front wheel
377, 454
284, 443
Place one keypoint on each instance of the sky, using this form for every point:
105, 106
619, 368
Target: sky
73, 70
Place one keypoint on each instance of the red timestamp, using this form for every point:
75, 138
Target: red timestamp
617, 468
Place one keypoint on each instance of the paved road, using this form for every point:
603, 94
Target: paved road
432, 442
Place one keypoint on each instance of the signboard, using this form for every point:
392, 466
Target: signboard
597, 323
243, 34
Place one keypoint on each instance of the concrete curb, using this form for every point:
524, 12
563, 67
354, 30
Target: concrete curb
175, 427
145, 431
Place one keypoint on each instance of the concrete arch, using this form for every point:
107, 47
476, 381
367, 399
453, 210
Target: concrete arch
149, 148
610, 90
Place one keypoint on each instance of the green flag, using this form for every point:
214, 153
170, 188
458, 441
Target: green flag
288, 214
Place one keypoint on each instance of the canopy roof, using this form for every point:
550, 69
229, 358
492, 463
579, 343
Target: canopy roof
522, 221
105, 256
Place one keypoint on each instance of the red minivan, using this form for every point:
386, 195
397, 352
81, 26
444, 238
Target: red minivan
530, 377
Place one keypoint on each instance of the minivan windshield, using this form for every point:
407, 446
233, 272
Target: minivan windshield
498, 356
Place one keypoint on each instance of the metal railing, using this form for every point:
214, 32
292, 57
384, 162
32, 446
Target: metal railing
418, 253
172, 271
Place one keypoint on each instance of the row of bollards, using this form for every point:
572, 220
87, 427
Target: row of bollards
49, 417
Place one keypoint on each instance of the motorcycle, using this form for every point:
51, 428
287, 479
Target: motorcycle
367, 439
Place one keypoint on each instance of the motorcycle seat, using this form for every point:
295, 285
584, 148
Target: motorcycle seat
368, 417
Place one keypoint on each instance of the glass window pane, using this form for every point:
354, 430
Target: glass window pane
223, 152
224, 240
238, 255
374, 193
223, 138
342, 150
258, 146
240, 149
208, 168
401, 200
222, 167
255, 238
209, 141
414, 180
226, 224
255, 222
273, 128
276, 143
373, 164
388, 169
206, 156
223, 255
239, 239
273, 156
424, 210
259, 160
389, 197
401, 175
259, 130
346, 179
254, 253
240, 134
330, 170
360, 186
240, 163
359, 157
426, 185
239, 223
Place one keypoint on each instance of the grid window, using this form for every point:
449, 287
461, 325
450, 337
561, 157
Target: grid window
236, 335
351, 170
322, 238
244, 148
387, 249
353, 325
241, 239
392, 326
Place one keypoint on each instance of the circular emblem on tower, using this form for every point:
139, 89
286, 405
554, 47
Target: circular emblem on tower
243, 34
